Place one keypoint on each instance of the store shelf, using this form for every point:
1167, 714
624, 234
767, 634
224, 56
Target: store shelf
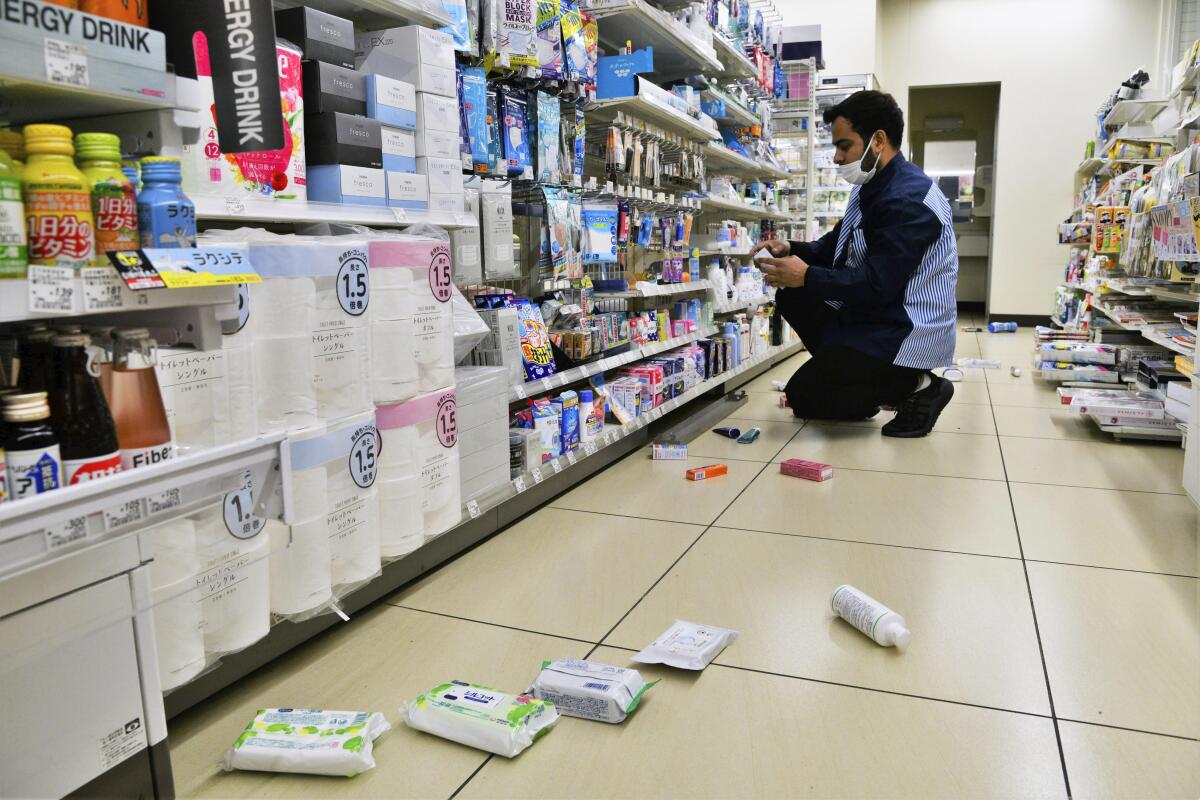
1143, 432
740, 210
1122, 325
644, 289
1133, 111
1170, 344
744, 305
373, 14
256, 210
644, 106
677, 52
828, 214
728, 161
734, 61
585, 371
1174, 296
38, 529
109, 296
822, 189
735, 113
1089, 167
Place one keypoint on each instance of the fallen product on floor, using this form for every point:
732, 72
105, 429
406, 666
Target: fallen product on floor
307, 741
870, 616
749, 436
809, 470
586, 689
728, 432
669, 452
711, 471
686, 645
474, 715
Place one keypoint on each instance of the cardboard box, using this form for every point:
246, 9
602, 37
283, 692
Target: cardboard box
424, 77
445, 174
407, 190
329, 88
392, 102
438, 144
338, 183
399, 149
336, 138
809, 470
410, 43
320, 36
711, 471
436, 113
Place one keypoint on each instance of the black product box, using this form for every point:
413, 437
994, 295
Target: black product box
343, 139
328, 87
1156, 374
320, 36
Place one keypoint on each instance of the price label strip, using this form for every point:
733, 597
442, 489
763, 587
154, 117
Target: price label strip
556, 465
186, 267
536, 472
473, 509
66, 532
124, 514
103, 289
66, 63
51, 289
519, 483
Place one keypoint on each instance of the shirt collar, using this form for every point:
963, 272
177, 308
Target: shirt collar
882, 178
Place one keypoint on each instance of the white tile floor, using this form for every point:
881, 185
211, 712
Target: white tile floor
1048, 574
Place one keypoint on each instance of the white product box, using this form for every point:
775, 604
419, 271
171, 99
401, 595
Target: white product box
399, 149
407, 190
464, 242
492, 437
410, 43
338, 183
478, 384
493, 457
438, 144
449, 203
391, 101
480, 485
445, 175
437, 113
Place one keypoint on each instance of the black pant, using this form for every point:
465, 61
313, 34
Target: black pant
837, 382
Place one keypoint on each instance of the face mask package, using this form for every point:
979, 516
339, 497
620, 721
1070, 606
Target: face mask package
509, 32
431, 284
600, 232
495, 156
459, 27
475, 110
420, 441
349, 457
496, 722
549, 116
496, 230
307, 741
556, 232
464, 242
515, 122
549, 38
589, 690
686, 645
574, 48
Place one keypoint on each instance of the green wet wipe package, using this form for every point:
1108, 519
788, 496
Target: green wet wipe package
308, 741
474, 715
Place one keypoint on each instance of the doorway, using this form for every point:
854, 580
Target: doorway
952, 134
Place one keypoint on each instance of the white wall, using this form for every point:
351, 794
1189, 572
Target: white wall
847, 31
1053, 74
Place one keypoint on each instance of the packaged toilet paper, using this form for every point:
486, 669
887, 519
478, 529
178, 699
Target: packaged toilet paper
178, 638
474, 715
308, 741
234, 577
427, 428
349, 456
237, 343
586, 689
394, 373
195, 393
428, 262
686, 645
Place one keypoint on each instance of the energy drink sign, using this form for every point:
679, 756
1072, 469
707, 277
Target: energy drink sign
239, 36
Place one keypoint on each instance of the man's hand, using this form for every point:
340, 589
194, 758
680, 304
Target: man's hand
783, 272
776, 247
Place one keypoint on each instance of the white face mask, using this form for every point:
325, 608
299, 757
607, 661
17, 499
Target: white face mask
854, 172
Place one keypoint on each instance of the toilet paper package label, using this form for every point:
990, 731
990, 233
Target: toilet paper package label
308, 741
590, 690
432, 420
474, 715
195, 391
686, 645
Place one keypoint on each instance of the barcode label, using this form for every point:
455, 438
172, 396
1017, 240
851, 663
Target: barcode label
126, 513
473, 508
101, 289
519, 484
64, 533
234, 206
519, 391
601, 687
51, 289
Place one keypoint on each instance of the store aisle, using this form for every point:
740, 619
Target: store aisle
1050, 578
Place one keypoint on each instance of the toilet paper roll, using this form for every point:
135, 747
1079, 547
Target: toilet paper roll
310, 493
173, 548
282, 306
441, 520
341, 366
394, 375
391, 294
234, 585
178, 638
354, 536
439, 472
283, 376
243, 405
300, 566
403, 530
398, 452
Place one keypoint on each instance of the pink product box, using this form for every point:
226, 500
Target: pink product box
809, 470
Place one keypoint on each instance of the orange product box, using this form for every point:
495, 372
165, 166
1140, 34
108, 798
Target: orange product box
711, 471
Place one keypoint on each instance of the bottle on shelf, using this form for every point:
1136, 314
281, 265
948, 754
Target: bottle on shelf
13, 253
58, 200
131, 12
136, 403
166, 217
32, 460
34, 351
102, 358
114, 204
86, 434
13, 143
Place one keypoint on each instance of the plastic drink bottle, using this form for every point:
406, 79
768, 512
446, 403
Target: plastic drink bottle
14, 255
58, 200
114, 203
34, 354
32, 460
81, 419
870, 616
143, 433
166, 217
1002, 327
132, 12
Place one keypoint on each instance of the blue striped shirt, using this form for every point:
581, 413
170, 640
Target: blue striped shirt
890, 269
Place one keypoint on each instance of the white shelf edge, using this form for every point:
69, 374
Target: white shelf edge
223, 209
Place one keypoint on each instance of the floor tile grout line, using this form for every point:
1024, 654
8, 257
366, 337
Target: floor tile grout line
868, 544
1129, 730
463, 785
1114, 569
1062, 756
513, 628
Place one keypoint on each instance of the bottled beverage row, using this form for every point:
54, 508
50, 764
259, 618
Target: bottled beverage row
79, 406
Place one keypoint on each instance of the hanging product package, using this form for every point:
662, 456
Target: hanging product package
420, 439
549, 38
509, 31
464, 242
536, 352
301, 563
474, 715
460, 25
349, 456
495, 154
430, 280
686, 645
549, 119
589, 690
474, 103
575, 237
574, 48
307, 741
556, 232
496, 230
600, 232
514, 121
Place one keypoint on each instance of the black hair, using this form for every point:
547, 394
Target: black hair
869, 111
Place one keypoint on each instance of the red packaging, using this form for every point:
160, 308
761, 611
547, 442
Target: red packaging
711, 471
809, 470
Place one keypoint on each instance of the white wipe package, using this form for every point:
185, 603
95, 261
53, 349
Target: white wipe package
686, 645
474, 715
590, 690
307, 741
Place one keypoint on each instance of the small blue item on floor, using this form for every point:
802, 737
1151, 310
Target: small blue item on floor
731, 433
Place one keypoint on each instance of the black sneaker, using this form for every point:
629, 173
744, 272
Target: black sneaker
920, 410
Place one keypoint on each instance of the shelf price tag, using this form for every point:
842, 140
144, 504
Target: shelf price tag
536, 472
124, 514
102, 289
519, 391
556, 465
66, 532
519, 483
571, 457
51, 289
164, 500
400, 214
473, 509
66, 63
546, 385
589, 448
235, 206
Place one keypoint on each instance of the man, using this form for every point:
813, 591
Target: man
873, 300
